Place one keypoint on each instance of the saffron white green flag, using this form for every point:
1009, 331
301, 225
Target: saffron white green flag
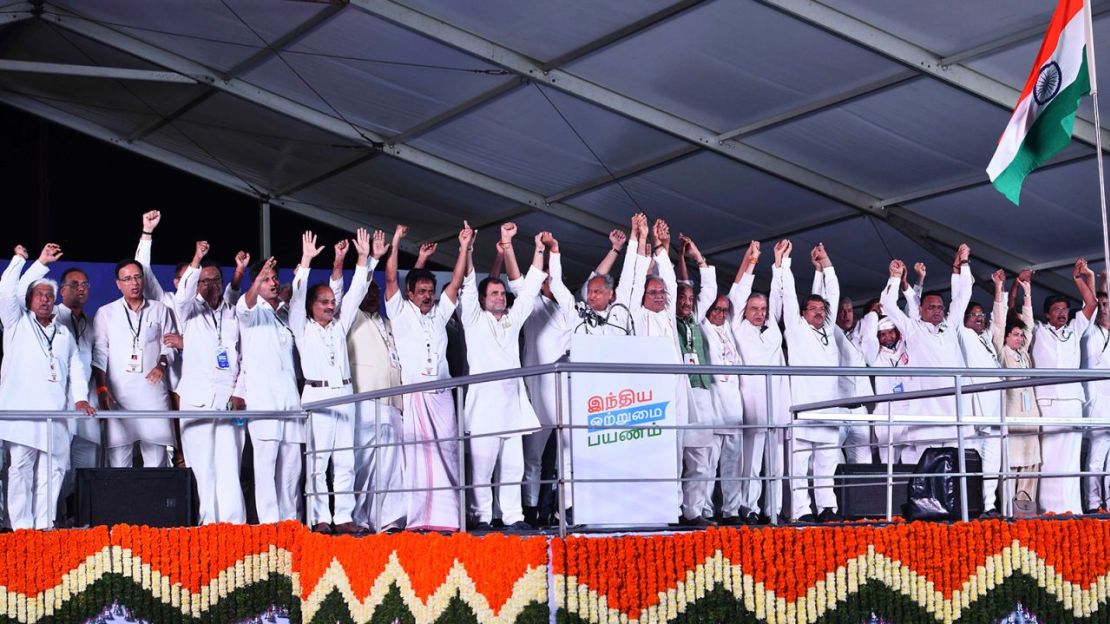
1042, 121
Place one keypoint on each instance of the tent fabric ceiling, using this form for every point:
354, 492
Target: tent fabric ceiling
732, 119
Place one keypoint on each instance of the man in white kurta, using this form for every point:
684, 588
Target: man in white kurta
1056, 344
883, 347
755, 325
71, 312
494, 408
320, 330
420, 330
546, 339
1096, 489
213, 448
376, 365
153, 291
811, 342
979, 352
728, 406
129, 364
609, 301
269, 382
931, 341
42, 371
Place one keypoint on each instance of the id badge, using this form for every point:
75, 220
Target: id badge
431, 365
222, 361
135, 361
1026, 402
394, 360
53, 374
899, 389
691, 358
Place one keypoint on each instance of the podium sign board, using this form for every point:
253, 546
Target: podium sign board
622, 413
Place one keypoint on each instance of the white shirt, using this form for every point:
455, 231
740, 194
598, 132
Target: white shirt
1059, 348
547, 331
121, 333
323, 349
210, 362
628, 292
153, 291
760, 346
492, 344
82, 330
267, 357
421, 338
43, 369
809, 346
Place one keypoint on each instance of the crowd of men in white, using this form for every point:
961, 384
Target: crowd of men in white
210, 348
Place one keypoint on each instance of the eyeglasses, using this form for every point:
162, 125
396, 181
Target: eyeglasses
718, 310
655, 293
130, 278
209, 281
77, 285
815, 309
977, 315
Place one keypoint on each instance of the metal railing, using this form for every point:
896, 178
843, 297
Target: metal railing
960, 421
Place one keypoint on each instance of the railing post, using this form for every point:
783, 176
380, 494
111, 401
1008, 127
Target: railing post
1005, 482
560, 484
962, 461
310, 478
376, 464
460, 424
773, 486
889, 462
51, 504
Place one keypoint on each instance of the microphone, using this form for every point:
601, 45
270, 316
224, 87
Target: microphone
587, 314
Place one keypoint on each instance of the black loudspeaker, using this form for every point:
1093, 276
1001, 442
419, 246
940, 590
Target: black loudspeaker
156, 497
866, 497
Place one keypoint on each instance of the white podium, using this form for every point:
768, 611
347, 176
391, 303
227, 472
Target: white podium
622, 413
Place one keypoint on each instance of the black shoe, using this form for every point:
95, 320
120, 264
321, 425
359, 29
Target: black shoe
698, 521
520, 526
497, 523
810, 518
752, 519
829, 514
323, 528
532, 515
480, 526
990, 515
732, 521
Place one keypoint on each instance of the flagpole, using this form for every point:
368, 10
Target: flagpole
1098, 136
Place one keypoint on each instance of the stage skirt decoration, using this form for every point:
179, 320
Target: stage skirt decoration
990, 571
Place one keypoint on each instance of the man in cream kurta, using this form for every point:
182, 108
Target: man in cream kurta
931, 341
420, 328
1057, 344
129, 364
492, 344
213, 448
42, 371
321, 334
376, 365
270, 384
811, 342
755, 324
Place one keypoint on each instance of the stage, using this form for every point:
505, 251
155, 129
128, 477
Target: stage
978, 571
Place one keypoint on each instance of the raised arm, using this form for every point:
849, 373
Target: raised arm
617, 239
335, 280
962, 283
783, 281
234, 287
559, 290
269, 269
889, 298
391, 286
998, 315
423, 254
829, 279
151, 288
629, 285
369, 251
298, 316
187, 293
512, 269
661, 235
466, 242
707, 278
869, 337
11, 304
1085, 281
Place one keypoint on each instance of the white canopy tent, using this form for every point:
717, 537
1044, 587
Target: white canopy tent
864, 125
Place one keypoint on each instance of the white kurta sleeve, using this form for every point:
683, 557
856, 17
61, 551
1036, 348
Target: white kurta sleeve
37, 270
298, 317
627, 288
526, 301
184, 297
360, 284
869, 337
670, 282
12, 304
78, 375
152, 290
889, 299
168, 324
962, 283
468, 301
100, 338
707, 293
738, 295
832, 292
791, 313
559, 290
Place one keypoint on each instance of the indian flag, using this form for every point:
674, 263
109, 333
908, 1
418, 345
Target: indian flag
1045, 114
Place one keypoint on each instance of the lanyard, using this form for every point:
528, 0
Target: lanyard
79, 326
217, 322
822, 334
48, 340
135, 331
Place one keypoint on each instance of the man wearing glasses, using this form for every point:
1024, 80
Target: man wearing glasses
71, 314
129, 366
979, 352
930, 342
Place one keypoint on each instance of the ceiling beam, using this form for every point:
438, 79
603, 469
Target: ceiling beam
351, 163
247, 64
916, 57
497, 220
457, 111
92, 71
766, 123
645, 23
790, 230
1005, 42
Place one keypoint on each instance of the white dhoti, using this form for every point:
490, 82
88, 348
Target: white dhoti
213, 450
379, 470
429, 463
33, 486
332, 428
756, 443
1060, 449
815, 452
698, 453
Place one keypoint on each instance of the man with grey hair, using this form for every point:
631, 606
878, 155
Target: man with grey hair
760, 344
43, 371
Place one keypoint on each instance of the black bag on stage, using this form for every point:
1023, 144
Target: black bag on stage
938, 497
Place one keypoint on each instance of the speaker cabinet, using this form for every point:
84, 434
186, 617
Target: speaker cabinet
156, 497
